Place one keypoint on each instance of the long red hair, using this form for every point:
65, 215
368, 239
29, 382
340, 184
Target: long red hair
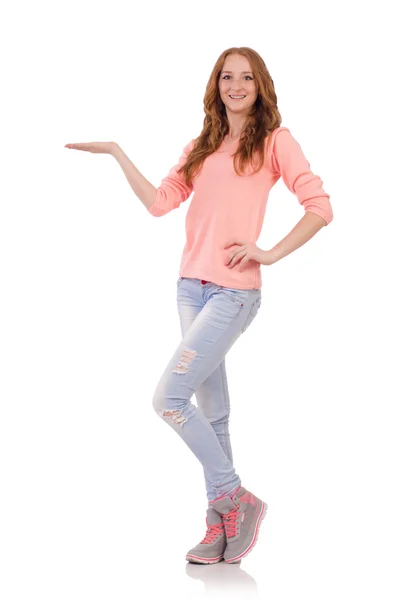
262, 120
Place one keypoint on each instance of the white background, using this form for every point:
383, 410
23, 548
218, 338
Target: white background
99, 497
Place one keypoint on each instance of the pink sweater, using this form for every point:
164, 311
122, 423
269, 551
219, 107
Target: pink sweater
226, 205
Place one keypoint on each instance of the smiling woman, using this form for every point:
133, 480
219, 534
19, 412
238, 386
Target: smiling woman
231, 166
240, 104
237, 85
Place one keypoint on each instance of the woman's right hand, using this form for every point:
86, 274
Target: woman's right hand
95, 147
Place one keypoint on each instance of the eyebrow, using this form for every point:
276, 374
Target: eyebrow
232, 71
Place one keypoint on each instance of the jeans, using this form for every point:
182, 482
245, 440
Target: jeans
212, 318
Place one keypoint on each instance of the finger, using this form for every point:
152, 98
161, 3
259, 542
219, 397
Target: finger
236, 258
242, 262
77, 146
239, 253
230, 257
233, 243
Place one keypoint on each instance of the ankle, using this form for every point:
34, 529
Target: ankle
228, 494
234, 492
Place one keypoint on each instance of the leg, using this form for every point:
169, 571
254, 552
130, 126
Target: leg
215, 329
214, 402
213, 395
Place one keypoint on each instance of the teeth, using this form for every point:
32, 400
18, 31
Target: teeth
237, 96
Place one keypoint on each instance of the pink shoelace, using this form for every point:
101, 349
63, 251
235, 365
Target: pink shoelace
230, 522
212, 533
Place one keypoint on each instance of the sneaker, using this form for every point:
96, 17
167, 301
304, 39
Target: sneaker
210, 550
242, 515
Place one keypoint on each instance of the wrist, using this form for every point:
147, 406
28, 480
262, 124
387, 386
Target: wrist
273, 255
114, 149
267, 257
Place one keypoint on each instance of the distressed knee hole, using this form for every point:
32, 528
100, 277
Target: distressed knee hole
187, 356
175, 415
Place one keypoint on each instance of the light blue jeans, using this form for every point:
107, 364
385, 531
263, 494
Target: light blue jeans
212, 318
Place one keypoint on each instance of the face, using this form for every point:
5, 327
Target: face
237, 79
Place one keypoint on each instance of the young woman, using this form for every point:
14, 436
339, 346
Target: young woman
231, 166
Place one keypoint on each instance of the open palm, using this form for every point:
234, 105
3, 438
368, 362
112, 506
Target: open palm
95, 147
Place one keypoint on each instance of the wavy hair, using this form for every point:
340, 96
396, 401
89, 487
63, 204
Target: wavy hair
264, 117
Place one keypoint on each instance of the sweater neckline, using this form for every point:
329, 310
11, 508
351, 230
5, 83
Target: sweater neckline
225, 147
230, 143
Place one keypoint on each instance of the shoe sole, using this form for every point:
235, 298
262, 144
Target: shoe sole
259, 521
202, 560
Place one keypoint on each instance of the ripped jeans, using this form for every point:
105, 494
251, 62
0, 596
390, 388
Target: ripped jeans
212, 318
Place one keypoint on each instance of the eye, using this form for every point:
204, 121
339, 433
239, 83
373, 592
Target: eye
249, 76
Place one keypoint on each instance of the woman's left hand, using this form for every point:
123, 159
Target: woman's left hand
245, 252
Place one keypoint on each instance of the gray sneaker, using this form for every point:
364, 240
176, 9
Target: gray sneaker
242, 516
210, 550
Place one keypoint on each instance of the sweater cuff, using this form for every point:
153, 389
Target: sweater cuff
327, 216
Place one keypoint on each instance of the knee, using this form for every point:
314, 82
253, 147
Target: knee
158, 403
220, 421
173, 415
214, 414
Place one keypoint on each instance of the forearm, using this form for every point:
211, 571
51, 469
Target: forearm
142, 188
303, 231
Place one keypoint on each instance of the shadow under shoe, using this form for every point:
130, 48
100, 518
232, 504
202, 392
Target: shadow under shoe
210, 550
242, 516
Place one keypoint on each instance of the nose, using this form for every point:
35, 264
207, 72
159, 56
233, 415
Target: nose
235, 90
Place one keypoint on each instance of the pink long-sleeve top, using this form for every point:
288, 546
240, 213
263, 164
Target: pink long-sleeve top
227, 206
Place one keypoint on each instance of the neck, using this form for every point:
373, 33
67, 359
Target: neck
236, 125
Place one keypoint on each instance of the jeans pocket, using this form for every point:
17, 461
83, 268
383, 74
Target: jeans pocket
179, 281
252, 313
234, 295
